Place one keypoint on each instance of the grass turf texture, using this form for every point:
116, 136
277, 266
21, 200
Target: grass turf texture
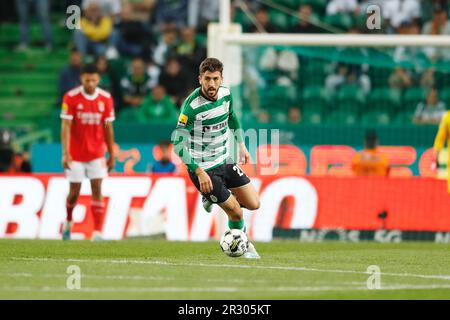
155, 269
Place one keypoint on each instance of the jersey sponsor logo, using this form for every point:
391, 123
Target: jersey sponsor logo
182, 120
89, 118
215, 127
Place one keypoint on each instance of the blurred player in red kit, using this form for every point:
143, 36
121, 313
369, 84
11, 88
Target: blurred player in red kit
87, 115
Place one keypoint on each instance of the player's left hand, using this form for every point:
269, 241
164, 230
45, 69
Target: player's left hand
110, 164
244, 155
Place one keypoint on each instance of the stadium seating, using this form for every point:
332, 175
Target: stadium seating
379, 76
130, 115
313, 72
241, 18
28, 82
445, 96
339, 118
351, 98
291, 4
317, 5
313, 117
341, 21
403, 117
377, 118
413, 96
315, 99
278, 97
280, 19
384, 100
9, 34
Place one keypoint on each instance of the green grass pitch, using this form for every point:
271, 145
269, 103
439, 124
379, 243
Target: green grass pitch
156, 269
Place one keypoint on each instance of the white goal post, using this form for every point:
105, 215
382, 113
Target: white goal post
225, 37
329, 40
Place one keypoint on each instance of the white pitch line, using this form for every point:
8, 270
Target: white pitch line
218, 289
108, 277
120, 289
152, 278
242, 266
15, 275
125, 277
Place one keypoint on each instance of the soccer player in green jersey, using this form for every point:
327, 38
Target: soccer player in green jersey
201, 141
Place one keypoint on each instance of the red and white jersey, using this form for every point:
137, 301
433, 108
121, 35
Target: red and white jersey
88, 113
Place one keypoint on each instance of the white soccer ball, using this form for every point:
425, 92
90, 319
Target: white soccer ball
234, 243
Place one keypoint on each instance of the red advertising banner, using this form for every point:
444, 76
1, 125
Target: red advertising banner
144, 205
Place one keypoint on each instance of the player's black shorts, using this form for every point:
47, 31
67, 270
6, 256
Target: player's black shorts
224, 177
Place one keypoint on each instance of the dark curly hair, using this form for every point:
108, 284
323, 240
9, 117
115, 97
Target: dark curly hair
211, 65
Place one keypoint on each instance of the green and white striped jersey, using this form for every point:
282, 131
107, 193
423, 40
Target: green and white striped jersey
202, 130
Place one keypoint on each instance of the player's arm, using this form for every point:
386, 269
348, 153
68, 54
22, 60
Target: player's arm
66, 116
441, 135
235, 125
109, 139
109, 117
65, 140
180, 139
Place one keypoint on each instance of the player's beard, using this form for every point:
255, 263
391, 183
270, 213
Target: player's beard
89, 89
212, 92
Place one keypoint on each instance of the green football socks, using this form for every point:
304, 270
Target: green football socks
236, 224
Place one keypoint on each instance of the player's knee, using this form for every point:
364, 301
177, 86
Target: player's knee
72, 201
72, 198
254, 204
257, 205
97, 196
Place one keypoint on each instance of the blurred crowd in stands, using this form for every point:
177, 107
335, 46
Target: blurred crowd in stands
11, 160
159, 41
163, 42
415, 69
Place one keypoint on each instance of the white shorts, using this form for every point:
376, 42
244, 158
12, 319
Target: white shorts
95, 169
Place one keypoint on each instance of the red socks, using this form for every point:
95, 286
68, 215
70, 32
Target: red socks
98, 210
69, 208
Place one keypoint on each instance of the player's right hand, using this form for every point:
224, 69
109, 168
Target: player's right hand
206, 185
110, 163
66, 160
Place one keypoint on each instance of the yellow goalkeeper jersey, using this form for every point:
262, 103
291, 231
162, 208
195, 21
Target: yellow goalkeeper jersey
442, 136
443, 133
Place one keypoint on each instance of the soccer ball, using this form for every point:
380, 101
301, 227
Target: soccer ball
234, 243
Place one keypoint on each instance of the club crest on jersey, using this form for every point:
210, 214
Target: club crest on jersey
80, 106
101, 106
182, 120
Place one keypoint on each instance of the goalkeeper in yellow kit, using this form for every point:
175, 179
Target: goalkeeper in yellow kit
439, 142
